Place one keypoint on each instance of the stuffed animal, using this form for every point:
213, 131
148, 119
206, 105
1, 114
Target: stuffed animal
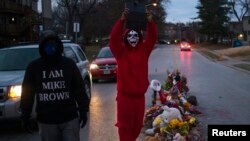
179, 137
165, 117
170, 113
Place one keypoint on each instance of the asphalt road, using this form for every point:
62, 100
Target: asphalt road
223, 95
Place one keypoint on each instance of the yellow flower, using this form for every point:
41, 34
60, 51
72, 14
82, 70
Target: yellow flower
182, 124
192, 120
157, 121
162, 130
174, 123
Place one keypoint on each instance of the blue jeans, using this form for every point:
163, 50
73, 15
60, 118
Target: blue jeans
68, 131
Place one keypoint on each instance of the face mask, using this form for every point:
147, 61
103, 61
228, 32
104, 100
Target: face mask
133, 38
50, 48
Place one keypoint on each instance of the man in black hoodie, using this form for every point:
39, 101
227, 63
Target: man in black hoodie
55, 83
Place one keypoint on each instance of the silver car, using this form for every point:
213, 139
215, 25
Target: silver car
13, 62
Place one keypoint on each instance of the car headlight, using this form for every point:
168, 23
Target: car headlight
93, 66
15, 91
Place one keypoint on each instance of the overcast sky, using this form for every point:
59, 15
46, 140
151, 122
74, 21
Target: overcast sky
181, 10
178, 10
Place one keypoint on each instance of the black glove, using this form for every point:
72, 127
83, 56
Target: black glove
27, 124
83, 119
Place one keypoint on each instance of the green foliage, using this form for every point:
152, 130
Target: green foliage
169, 83
213, 15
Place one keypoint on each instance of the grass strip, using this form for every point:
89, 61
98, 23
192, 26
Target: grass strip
210, 55
243, 66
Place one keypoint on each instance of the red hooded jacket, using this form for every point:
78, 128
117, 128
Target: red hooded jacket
132, 62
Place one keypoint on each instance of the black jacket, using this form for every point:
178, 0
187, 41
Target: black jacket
56, 84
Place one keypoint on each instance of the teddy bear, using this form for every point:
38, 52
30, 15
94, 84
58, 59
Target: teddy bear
165, 117
170, 113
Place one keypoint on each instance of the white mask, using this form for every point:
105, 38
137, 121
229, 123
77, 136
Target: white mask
133, 38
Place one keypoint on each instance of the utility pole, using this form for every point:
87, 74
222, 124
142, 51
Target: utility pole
66, 29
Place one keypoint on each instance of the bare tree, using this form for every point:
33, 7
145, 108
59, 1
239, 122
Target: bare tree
84, 10
239, 8
97, 17
74, 10
67, 11
101, 20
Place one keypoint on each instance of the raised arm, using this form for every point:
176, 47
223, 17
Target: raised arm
116, 36
151, 33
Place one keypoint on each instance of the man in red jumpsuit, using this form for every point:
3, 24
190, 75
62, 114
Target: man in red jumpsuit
132, 54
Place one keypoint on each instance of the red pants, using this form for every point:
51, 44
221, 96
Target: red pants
130, 114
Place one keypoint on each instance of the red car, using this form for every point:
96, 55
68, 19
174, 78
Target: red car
104, 65
185, 46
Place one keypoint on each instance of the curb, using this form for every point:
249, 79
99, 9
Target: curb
225, 60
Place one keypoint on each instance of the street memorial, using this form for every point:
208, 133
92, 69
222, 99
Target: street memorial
172, 116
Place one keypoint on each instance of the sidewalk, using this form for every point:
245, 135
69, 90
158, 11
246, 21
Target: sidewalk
234, 63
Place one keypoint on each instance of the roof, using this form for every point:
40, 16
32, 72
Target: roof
66, 41
21, 46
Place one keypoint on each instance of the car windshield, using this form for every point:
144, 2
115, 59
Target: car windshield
17, 59
105, 53
184, 43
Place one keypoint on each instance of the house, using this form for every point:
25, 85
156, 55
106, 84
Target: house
19, 20
246, 28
